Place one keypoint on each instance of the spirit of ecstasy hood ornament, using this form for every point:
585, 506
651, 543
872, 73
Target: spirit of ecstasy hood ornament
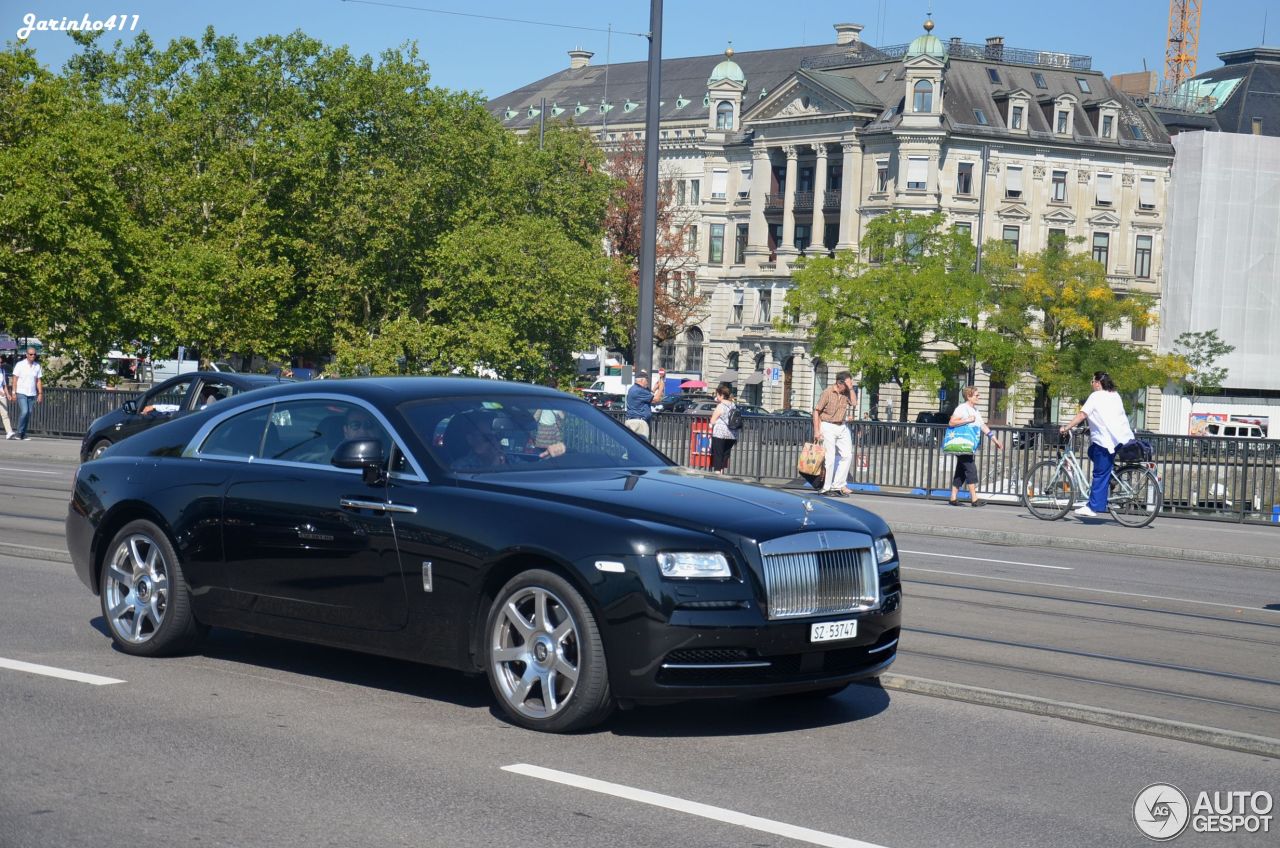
808, 509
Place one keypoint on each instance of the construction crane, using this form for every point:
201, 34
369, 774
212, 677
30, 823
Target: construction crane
1183, 43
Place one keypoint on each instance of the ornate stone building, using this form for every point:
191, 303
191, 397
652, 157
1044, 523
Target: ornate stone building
788, 153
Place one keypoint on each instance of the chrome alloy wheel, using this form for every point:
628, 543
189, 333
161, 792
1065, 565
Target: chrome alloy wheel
137, 589
535, 652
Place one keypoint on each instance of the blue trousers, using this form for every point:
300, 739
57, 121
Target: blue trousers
26, 403
1102, 462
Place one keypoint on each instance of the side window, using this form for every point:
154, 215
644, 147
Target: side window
167, 400
240, 436
212, 391
309, 431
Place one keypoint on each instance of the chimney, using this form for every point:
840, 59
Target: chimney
847, 34
955, 45
579, 58
995, 48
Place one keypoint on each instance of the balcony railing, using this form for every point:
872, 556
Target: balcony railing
804, 201
831, 199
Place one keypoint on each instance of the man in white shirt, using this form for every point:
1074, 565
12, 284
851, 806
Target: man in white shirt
1108, 429
28, 386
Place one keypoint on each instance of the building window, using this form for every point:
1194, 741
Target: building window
993, 75
1039, 80
775, 239
1015, 118
740, 245
1257, 126
804, 179
764, 313
736, 317
884, 75
997, 409
1061, 127
693, 349
695, 192
1010, 237
724, 115
1057, 239
744, 182
691, 240
923, 101
966, 228
882, 175
715, 254
1146, 194
1059, 186
667, 355
1142, 258
1084, 85
679, 192
917, 173
1013, 183
1138, 133
1138, 332
964, 178
1104, 190
1101, 243
834, 176
981, 117
1108, 124
803, 237
719, 183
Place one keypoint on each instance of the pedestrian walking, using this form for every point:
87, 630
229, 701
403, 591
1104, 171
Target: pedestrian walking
831, 428
6, 397
724, 435
966, 473
29, 387
1108, 429
640, 401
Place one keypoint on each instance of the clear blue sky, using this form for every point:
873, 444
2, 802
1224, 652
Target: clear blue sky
495, 57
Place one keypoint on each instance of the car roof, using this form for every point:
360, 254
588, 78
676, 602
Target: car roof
395, 390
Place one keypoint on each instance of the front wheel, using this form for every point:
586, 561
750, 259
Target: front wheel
1135, 498
1047, 490
99, 447
145, 599
544, 655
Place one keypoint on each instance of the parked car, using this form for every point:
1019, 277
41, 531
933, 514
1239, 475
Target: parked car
794, 413
539, 542
173, 398
682, 403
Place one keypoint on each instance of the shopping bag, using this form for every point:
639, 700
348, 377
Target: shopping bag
961, 439
812, 460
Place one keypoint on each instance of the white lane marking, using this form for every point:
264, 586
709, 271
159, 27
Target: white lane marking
31, 471
1091, 589
984, 559
789, 831
50, 671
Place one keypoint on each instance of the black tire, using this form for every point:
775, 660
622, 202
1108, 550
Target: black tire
98, 447
529, 661
145, 600
1048, 491
1136, 500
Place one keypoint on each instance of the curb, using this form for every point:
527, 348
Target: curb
1195, 733
1009, 537
31, 552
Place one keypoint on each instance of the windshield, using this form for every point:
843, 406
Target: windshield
507, 434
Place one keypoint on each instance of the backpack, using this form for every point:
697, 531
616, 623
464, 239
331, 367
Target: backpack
733, 419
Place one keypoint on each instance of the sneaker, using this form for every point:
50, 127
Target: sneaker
978, 503
11, 436
1085, 512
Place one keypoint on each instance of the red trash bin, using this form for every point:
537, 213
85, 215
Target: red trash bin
700, 443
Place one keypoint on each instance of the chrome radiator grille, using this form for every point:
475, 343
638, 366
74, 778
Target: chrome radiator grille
820, 582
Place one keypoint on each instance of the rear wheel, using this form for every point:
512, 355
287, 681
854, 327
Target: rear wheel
544, 655
145, 599
1047, 491
1135, 498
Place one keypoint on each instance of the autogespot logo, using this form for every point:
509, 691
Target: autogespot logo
1161, 811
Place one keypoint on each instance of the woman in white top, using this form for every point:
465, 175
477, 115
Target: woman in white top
1108, 429
722, 438
966, 466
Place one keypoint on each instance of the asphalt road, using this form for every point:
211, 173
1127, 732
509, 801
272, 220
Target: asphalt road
258, 741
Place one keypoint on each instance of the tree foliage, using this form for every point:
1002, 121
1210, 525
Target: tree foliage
1202, 351
883, 318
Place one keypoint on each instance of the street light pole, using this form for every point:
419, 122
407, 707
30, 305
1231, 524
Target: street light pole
649, 218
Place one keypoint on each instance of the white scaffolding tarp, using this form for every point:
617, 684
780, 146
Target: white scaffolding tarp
1222, 254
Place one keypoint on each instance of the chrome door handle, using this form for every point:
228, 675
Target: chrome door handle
377, 506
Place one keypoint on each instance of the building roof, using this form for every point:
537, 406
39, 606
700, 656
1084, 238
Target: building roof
1229, 98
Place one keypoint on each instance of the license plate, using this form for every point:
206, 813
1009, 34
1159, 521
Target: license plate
830, 631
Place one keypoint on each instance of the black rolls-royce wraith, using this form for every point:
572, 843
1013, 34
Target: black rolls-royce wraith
482, 526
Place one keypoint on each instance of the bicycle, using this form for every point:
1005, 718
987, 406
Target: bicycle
1052, 486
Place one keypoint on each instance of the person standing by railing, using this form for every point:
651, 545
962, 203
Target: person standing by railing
831, 428
1108, 429
966, 473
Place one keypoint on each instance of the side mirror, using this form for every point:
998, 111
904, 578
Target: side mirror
130, 406
364, 454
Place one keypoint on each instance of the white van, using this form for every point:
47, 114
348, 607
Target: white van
1234, 430
609, 385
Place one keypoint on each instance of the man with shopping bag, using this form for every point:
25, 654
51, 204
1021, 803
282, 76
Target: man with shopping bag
830, 427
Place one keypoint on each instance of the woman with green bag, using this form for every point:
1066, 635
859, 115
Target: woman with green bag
964, 430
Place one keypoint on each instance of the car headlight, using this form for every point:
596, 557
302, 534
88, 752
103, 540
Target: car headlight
686, 565
885, 550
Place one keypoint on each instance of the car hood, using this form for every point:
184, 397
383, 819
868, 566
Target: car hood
688, 499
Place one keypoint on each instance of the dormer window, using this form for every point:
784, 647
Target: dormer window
1015, 118
724, 115
1108, 126
1084, 85
1060, 126
923, 101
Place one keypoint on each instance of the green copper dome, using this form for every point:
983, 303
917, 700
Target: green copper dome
927, 44
727, 70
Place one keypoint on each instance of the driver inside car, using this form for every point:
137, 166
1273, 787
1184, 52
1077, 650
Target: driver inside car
484, 446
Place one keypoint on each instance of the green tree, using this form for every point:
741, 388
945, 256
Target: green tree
1202, 351
886, 318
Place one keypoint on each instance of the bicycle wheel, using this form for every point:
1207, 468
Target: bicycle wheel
1047, 491
1135, 497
